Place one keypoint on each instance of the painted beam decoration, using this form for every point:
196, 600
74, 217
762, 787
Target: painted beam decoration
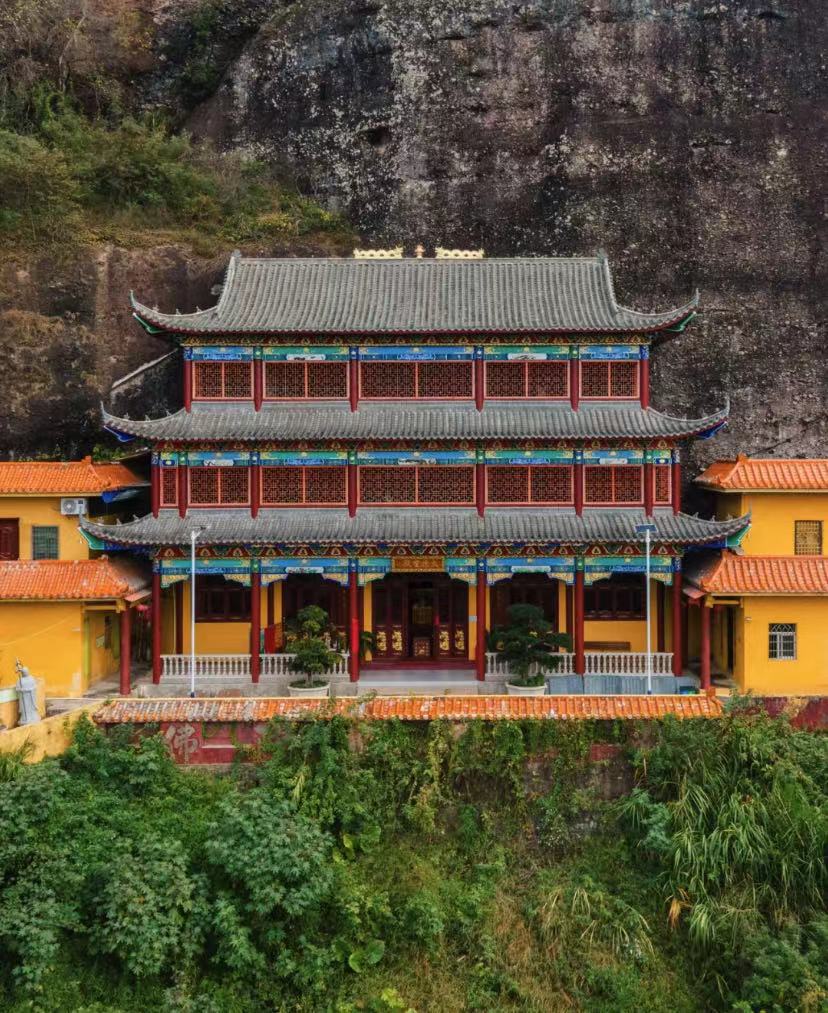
301, 457
560, 567
604, 456
515, 455
403, 457
594, 353
416, 353
219, 353
216, 458
662, 568
174, 570
305, 353
328, 568
525, 353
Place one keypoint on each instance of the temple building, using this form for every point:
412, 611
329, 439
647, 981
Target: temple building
415, 444
760, 617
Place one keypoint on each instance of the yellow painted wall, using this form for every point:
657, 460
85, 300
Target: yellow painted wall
103, 660
807, 675
48, 639
49, 737
218, 638
632, 631
771, 530
32, 510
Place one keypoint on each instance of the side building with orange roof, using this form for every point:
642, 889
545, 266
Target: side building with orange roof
66, 610
761, 615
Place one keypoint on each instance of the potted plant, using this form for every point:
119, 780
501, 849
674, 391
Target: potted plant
529, 645
312, 655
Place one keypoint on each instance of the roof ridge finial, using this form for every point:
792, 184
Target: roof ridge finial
419, 250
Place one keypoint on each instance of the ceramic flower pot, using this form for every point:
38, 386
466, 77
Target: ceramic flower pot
310, 691
513, 690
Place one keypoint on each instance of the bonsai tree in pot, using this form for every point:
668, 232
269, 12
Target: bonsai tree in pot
529, 645
312, 655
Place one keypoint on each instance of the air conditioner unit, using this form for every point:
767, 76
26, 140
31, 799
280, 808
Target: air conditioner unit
70, 507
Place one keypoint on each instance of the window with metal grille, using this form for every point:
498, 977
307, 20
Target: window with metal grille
402, 380
616, 598
222, 381
527, 379
548, 484
782, 641
662, 483
44, 541
219, 486
291, 485
221, 601
305, 380
808, 538
611, 484
169, 487
609, 379
442, 484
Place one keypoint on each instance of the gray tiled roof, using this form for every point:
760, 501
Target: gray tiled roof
412, 525
519, 420
336, 296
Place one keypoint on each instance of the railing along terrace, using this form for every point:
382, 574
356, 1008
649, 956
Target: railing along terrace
596, 663
223, 666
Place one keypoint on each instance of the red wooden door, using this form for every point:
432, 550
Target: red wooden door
451, 621
10, 538
389, 609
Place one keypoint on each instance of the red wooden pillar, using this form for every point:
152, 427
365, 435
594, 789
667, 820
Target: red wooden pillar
574, 380
569, 610
351, 479
188, 381
704, 668
480, 630
353, 623
660, 607
178, 597
578, 639
479, 379
155, 485
676, 482
480, 484
155, 618
126, 652
678, 616
183, 485
644, 376
353, 378
648, 486
258, 382
255, 624
578, 482
255, 486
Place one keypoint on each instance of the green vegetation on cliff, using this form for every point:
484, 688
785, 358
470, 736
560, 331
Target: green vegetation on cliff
392, 867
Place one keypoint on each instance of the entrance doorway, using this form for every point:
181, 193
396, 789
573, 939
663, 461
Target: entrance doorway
420, 619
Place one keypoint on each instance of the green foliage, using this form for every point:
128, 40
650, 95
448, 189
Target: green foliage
528, 643
474, 872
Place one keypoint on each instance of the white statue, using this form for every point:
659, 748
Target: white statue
26, 687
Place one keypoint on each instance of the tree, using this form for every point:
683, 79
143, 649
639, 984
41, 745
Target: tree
528, 643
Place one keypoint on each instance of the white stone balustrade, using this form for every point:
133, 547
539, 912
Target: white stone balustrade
596, 663
237, 666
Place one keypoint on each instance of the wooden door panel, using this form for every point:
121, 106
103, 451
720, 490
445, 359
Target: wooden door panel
9, 538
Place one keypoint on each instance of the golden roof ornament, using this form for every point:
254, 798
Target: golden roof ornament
394, 253
442, 253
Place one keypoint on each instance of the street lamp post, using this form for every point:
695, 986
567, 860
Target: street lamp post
193, 536
648, 530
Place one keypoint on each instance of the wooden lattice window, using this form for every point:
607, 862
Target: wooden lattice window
620, 597
548, 484
169, 487
221, 601
219, 486
441, 484
299, 380
404, 380
613, 484
808, 538
222, 381
293, 485
609, 379
527, 379
662, 484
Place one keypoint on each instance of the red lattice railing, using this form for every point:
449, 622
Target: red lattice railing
547, 484
662, 484
424, 485
407, 380
527, 380
300, 380
312, 486
169, 487
605, 485
222, 381
609, 379
219, 486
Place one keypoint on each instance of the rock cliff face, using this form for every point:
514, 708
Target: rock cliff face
684, 137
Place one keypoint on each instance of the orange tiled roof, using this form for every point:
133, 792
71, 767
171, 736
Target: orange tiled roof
747, 474
731, 574
70, 478
77, 580
450, 708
